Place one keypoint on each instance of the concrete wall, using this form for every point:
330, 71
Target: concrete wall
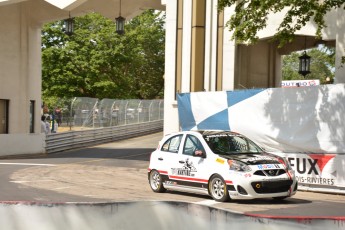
257, 66
144, 215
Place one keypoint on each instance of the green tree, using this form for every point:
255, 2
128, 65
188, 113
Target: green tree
97, 62
251, 16
145, 44
322, 65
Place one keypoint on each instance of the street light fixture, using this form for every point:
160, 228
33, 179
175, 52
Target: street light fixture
304, 62
69, 26
120, 23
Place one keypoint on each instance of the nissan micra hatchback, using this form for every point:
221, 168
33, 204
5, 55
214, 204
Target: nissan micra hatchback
222, 164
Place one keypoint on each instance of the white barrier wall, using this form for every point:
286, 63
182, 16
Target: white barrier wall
306, 123
144, 215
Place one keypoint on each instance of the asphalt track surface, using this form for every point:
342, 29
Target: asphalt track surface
117, 172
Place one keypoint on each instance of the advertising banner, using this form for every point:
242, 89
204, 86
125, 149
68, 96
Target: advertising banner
308, 121
300, 83
323, 171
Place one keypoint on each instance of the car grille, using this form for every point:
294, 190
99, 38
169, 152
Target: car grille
263, 187
270, 172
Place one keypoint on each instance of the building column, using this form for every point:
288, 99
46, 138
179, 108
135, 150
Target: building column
339, 47
171, 122
198, 45
179, 36
220, 50
227, 53
20, 87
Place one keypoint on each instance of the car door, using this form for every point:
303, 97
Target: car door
166, 155
189, 169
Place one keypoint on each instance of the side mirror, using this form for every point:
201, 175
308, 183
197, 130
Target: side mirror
199, 153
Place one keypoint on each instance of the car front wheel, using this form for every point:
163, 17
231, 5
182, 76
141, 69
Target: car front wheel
155, 181
218, 189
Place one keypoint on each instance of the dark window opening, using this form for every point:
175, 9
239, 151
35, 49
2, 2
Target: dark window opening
4, 116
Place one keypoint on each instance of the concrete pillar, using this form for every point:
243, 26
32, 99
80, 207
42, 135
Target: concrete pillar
227, 50
171, 123
340, 47
20, 66
179, 43
198, 45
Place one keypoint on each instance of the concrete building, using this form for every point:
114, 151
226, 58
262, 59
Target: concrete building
199, 56
20, 62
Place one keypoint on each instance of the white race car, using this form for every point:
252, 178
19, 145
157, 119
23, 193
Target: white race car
222, 164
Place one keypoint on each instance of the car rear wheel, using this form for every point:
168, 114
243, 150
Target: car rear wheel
217, 189
155, 181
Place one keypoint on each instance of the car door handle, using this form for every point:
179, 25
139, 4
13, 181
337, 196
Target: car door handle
160, 158
182, 162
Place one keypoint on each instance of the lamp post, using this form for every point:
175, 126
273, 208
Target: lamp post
120, 23
69, 26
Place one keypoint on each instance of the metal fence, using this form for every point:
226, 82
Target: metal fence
89, 121
57, 142
84, 112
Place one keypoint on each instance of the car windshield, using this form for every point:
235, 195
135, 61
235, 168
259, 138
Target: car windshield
229, 144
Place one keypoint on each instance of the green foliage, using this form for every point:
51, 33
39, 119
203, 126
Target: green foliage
322, 65
97, 62
251, 16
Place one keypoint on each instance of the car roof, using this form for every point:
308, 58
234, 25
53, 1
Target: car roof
206, 132
216, 132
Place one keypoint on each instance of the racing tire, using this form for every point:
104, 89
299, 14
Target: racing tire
218, 189
155, 181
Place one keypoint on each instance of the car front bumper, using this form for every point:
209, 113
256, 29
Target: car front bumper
255, 188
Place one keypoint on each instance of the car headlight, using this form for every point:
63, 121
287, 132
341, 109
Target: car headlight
238, 166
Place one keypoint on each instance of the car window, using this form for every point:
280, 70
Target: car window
237, 144
192, 146
172, 144
231, 144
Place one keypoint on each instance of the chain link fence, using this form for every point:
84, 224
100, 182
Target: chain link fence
90, 113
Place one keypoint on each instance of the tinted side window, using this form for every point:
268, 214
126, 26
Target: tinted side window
172, 144
192, 145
